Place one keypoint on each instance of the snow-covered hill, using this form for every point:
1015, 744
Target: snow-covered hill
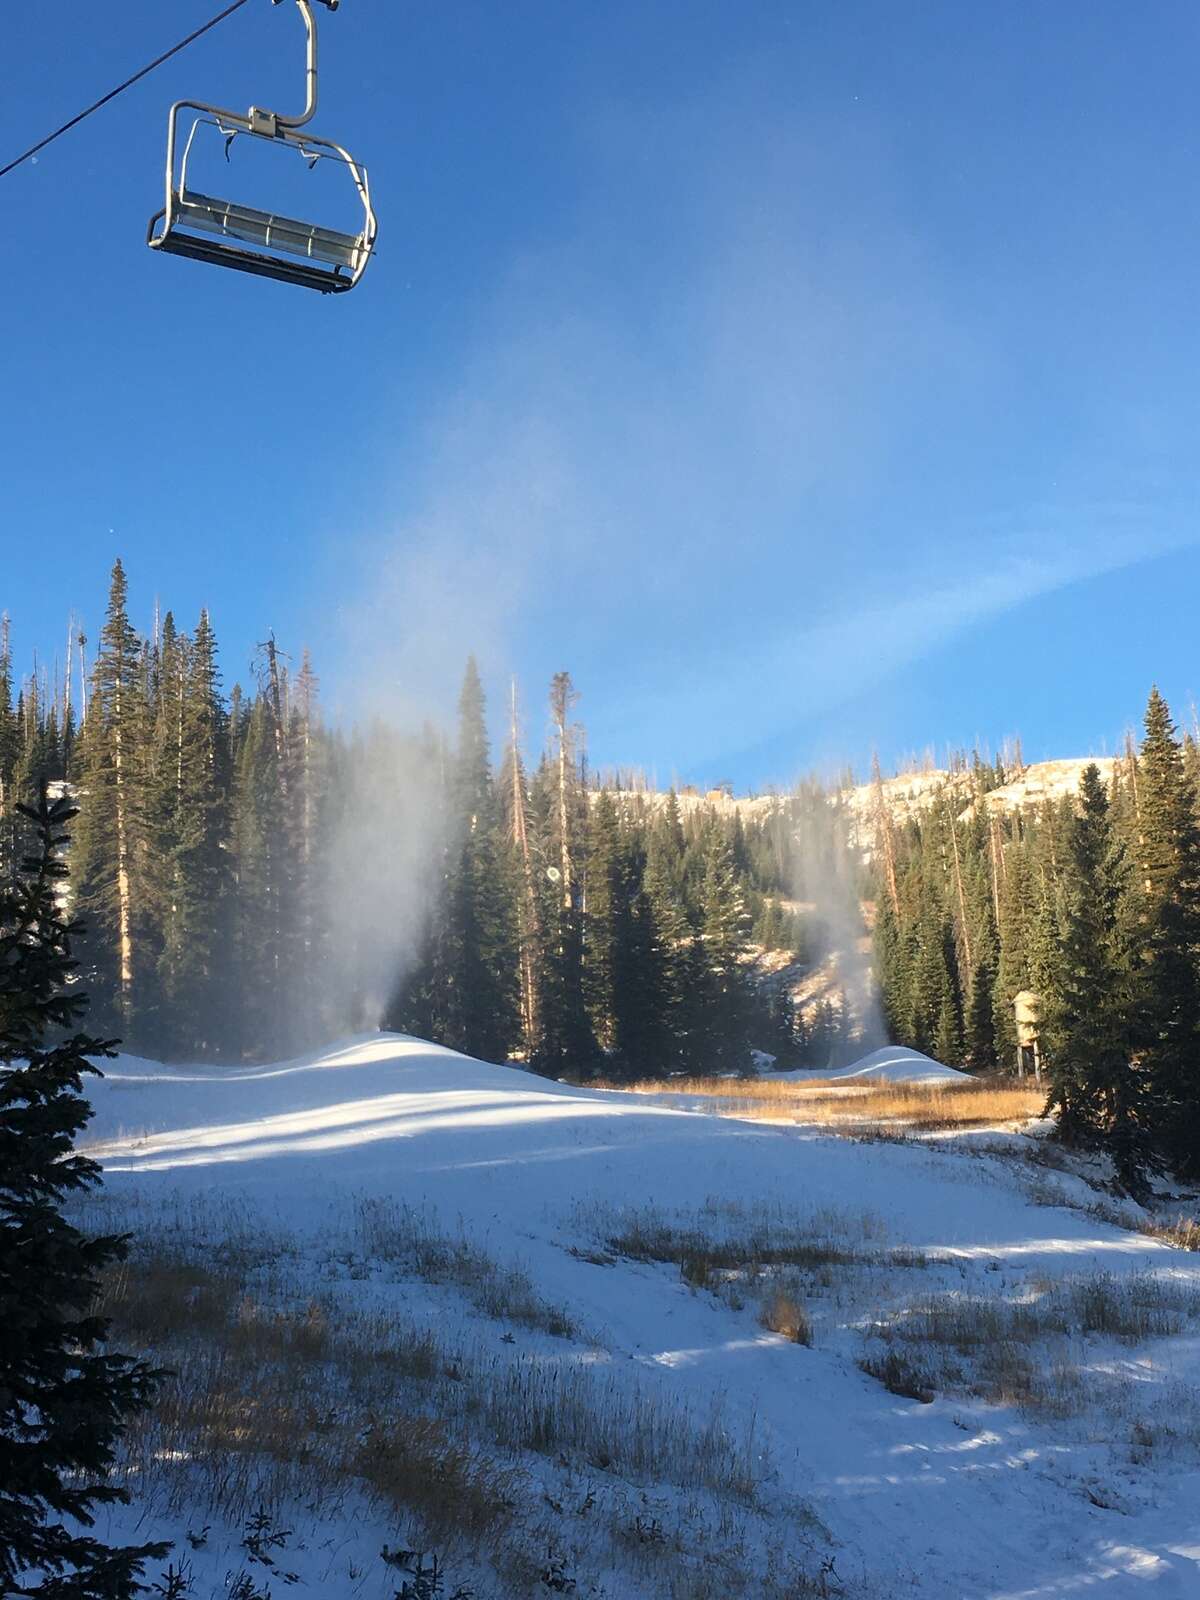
961, 1497
911, 794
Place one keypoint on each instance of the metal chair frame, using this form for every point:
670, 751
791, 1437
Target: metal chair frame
332, 262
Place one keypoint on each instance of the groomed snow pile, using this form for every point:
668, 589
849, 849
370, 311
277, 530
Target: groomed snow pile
894, 1063
956, 1498
898, 1064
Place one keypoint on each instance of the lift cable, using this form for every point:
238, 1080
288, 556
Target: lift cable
121, 87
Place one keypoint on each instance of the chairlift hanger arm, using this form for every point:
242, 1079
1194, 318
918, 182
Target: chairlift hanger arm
270, 121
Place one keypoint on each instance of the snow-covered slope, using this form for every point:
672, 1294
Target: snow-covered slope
948, 1500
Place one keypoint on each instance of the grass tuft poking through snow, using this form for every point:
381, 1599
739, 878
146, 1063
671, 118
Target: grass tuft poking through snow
782, 1313
1040, 1353
725, 1237
411, 1242
768, 1255
275, 1396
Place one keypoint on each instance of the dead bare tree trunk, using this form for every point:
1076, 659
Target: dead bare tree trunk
997, 857
962, 899
275, 695
884, 842
528, 925
120, 785
81, 640
562, 698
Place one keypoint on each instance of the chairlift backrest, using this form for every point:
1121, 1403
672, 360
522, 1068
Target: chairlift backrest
217, 231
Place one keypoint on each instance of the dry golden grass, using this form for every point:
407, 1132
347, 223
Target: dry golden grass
271, 1397
1184, 1234
850, 1105
783, 1314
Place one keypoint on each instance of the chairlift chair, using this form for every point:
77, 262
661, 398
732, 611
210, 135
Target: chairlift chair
217, 231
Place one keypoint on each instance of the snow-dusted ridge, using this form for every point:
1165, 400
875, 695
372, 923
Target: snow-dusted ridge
948, 1500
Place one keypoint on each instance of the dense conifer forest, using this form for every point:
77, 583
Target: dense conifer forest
600, 929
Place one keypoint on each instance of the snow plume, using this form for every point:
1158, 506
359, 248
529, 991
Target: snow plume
380, 872
826, 875
443, 584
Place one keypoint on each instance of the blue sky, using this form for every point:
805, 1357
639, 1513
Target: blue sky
804, 378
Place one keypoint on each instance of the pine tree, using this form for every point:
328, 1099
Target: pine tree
1088, 1015
565, 1041
892, 974
515, 853
677, 957
257, 844
605, 927
934, 1010
200, 859
10, 853
63, 1397
1169, 867
107, 841
642, 1039
979, 1024
478, 942
726, 1007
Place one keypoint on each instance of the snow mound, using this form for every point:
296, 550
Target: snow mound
898, 1064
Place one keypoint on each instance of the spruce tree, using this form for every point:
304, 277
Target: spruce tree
109, 836
979, 1024
1169, 866
605, 927
565, 1041
934, 1008
478, 954
674, 949
1088, 1015
63, 1396
201, 856
726, 1006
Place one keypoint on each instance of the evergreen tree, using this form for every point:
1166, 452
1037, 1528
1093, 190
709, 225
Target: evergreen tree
565, 1041
676, 955
1169, 864
63, 1396
893, 976
256, 848
1088, 1015
478, 940
979, 1024
934, 1008
108, 844
726, 1009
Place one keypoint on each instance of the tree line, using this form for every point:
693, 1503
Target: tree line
1091, 905
583, 929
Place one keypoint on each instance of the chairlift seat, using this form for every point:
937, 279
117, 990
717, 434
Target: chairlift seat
230, 220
